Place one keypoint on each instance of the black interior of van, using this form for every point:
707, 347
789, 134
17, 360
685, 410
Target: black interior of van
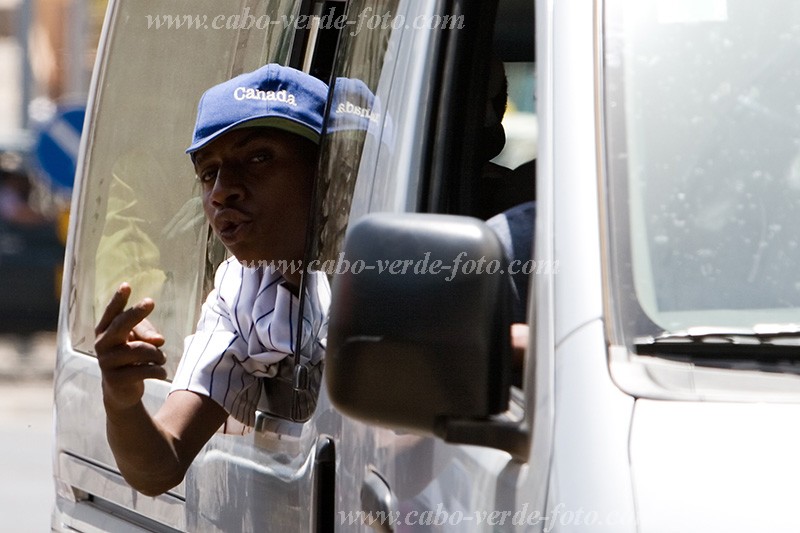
460, 180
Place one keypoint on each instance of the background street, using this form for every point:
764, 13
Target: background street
47, 50
27, 492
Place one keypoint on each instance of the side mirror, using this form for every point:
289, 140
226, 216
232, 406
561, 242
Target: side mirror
420, 324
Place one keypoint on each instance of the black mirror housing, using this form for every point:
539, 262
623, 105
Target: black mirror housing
419, 325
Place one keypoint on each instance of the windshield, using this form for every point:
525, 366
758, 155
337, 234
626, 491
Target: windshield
702, 126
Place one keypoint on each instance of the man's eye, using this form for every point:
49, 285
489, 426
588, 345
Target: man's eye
206, 176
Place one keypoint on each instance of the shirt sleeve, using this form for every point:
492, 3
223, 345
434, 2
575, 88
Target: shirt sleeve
212, 358
249, 324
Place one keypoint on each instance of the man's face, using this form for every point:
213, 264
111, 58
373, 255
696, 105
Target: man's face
256, 187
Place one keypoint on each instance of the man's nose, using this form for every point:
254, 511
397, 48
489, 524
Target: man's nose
228, 186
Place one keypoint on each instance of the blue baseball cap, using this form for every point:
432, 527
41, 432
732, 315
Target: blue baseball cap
273, 96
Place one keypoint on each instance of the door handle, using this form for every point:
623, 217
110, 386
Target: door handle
378, 503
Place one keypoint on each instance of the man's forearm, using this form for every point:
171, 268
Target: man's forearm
146, 454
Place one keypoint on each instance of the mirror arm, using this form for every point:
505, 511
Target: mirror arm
511, 437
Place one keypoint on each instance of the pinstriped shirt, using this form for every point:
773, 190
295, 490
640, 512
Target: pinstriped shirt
247, 324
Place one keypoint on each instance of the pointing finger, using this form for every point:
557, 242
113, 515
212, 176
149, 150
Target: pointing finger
114, 307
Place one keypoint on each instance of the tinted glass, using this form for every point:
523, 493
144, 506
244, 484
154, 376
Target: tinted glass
356, 119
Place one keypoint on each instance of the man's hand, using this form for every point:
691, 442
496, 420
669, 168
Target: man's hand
152, 452
127, 347
519, 344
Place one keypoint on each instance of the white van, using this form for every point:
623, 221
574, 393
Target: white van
659, 388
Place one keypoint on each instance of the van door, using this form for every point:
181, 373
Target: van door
137, 217
425, 70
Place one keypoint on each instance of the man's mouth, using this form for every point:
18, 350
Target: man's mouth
228, 228
230, 224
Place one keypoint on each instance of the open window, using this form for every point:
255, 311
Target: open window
129, 228
141, 217
481, 166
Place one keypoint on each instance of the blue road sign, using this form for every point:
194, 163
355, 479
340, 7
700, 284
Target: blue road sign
58, 144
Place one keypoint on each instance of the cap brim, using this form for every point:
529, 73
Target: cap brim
278, 123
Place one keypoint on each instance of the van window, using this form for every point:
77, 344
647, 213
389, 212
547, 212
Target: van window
141, 219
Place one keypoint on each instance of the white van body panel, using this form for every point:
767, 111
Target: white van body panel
596, 478
578, 287
705, 466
